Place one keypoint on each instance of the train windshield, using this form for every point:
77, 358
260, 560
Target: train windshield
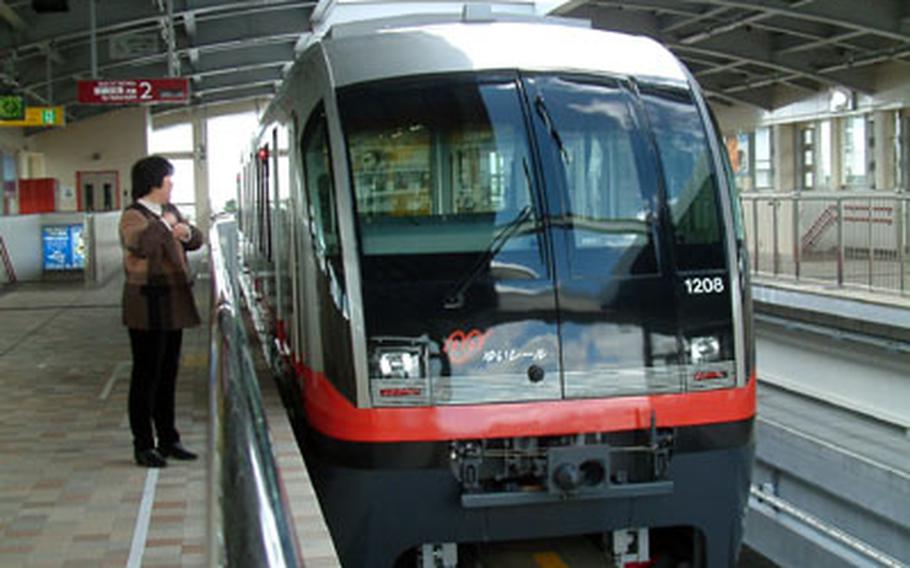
440, 169
510, 236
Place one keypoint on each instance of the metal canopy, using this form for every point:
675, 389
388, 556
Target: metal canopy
762, 53
230, 50
767, 53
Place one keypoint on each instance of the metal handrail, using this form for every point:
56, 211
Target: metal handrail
249, 520
865, 232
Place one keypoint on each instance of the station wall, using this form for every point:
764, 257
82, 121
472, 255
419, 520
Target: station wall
22, 237
11, 139
111, 141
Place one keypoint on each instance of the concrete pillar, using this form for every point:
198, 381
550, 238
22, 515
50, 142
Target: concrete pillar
885, 145
201, 170
904, 158
784, 136
837, 153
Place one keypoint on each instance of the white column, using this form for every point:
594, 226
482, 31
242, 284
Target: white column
884, 151
837, 153
201, 170
784, 136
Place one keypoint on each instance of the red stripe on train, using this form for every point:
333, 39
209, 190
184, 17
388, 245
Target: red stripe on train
333, 415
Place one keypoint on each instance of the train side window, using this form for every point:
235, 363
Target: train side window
320, 189
733, 189
689, 177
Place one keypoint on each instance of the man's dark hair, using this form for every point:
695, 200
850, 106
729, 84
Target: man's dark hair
148, 173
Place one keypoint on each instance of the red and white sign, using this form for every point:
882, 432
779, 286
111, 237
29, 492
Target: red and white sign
133, 91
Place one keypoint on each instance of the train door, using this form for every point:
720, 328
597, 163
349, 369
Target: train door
617, 304
98, 191
277, 231
310, 352
283, 235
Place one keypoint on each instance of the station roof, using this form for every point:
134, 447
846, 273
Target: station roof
763, 53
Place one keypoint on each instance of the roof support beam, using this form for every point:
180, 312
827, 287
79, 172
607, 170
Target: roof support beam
735, 23
721, 68
783, 79
842, 14
93, 37
821, 42
11, 17
687, 21
749, 54
751, 98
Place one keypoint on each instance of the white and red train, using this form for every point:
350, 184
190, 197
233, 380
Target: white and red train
504, 260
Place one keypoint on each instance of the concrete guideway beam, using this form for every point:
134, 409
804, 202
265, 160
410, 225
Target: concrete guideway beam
813, 500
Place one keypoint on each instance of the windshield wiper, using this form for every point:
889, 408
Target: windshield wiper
544, 114
455, 299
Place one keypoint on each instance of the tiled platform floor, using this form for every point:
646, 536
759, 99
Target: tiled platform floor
70, 493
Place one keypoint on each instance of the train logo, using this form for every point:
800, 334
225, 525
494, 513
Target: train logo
461, 347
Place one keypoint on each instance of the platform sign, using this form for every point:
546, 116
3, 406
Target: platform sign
63, 247
38, 116
12, 107
133, 91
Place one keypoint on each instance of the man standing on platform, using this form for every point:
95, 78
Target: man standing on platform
157, 304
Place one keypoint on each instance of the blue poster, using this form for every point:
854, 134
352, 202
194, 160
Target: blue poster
78, 247
64, 247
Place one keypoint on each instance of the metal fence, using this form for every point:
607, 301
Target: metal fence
855, 239
249, 522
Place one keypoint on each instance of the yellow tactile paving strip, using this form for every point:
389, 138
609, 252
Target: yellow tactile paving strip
70, 493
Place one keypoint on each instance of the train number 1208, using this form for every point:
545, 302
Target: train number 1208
704, 285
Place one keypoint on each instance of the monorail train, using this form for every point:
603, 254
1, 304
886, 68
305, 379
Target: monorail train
504, 260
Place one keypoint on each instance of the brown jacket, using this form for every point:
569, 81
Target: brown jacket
158, 292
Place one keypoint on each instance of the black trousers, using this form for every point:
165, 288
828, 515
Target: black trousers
153, 385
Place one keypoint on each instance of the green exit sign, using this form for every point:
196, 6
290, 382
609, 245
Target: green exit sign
48, 116
12, 107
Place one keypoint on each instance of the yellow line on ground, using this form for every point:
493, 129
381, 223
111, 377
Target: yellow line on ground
549, 560
196, 360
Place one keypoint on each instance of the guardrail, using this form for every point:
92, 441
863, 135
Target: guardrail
858, 238
249, 521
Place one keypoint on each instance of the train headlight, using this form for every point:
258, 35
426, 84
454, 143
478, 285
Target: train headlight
399, 357
704, 349
707, 370
399, 372
399, 364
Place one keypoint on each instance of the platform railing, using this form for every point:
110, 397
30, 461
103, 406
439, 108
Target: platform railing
850, 239
249, 521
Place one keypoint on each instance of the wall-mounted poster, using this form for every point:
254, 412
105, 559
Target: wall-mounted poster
63, 246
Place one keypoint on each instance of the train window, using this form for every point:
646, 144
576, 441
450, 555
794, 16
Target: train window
688, 177
735, 203
443, 168
605, 166
320, 189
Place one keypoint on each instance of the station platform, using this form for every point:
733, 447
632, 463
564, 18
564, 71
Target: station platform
883, 315
70, 493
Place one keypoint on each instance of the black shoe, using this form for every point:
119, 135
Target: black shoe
150, 458
178, 452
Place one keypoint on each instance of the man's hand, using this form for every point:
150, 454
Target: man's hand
170, 219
